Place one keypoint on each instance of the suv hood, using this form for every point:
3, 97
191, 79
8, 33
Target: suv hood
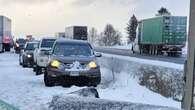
45, 49
70, 60
29, 51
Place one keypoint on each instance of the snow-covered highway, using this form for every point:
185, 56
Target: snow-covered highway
22, 88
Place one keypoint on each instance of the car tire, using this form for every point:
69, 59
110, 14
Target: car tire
66, 85
20, 63
92, 85
96, 83
48, 81
38, 70
34, 69
23, 64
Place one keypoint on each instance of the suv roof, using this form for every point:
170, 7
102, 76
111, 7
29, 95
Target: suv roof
71, 41
48, 38
32, 42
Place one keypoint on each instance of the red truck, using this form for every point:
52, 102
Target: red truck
7, 43
6, 39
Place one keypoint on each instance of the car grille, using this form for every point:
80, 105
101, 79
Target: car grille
69, 65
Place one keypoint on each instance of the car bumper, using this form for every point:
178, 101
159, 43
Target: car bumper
92, 76
28, 61
42, 61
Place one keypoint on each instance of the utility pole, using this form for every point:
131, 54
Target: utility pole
188, 101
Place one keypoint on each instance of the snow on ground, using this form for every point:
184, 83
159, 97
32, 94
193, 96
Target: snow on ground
185, 49
80, 103
20, 87
126, 88
128, 47
147, 61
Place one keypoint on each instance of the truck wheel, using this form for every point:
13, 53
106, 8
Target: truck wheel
7, 48
48, 81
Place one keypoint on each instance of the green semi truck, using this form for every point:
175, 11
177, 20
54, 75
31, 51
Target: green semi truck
162, 35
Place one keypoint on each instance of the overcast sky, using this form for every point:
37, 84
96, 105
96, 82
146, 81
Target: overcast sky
45, 17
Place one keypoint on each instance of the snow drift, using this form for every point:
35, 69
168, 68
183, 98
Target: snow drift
161, 77
80, 103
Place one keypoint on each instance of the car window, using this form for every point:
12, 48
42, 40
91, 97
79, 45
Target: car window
73, 50
47, 43
21, 41
31, 46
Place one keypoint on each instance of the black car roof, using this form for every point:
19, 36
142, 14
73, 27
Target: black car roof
71, 41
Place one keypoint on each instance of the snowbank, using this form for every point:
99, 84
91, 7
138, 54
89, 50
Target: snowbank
146, 61
122, 76
79, 103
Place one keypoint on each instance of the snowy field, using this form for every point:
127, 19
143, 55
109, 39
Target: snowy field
20, 87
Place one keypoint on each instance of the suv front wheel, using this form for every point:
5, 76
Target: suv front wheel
48, 80
38, 70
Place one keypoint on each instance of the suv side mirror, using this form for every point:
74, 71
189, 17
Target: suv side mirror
98, 54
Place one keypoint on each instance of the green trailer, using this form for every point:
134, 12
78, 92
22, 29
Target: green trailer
163, 34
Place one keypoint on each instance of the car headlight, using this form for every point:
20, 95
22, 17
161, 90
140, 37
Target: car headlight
55, 63
29, 56
92, 64
17, 45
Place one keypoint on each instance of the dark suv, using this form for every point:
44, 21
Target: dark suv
19, 45
26, 56
72, 62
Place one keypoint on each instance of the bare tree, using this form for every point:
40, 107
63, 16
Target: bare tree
110, 36
93, 36
115, 66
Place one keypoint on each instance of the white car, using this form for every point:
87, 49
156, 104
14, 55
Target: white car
40, 58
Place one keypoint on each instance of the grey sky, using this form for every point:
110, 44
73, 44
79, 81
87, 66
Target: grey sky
45, 17
5, 2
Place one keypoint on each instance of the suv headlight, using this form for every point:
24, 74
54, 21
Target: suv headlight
92, 65
55, 63
17, 45
29, 56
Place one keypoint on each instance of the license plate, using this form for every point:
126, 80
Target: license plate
74, 73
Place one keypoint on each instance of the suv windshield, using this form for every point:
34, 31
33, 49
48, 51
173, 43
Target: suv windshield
47, 43
73, 50
31, 46
21, 41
